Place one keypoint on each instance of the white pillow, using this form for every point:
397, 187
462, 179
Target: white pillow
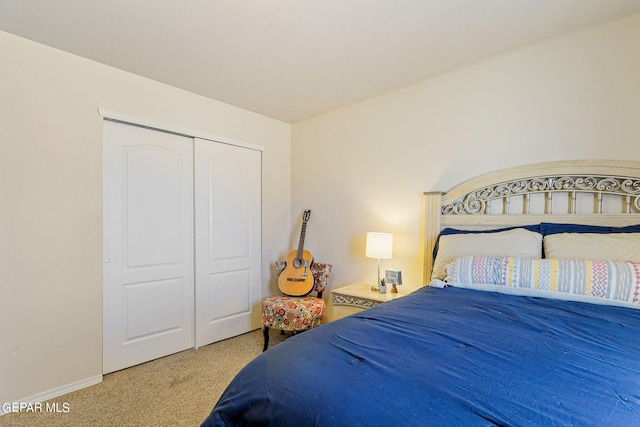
517, 242
602, 247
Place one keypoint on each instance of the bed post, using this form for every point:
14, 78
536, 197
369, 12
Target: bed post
432, 211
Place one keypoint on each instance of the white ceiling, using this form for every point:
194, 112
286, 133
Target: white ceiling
293, 59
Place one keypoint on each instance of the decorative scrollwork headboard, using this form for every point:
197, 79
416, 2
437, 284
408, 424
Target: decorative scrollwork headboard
526, 194
479, 201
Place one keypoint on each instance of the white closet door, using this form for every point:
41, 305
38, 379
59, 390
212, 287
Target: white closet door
148, 245
228, 224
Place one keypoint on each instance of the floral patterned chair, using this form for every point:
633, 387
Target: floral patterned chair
296, 314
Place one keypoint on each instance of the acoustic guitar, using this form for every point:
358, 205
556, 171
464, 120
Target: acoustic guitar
296, 279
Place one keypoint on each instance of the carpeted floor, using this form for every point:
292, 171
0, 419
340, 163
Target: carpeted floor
177, 390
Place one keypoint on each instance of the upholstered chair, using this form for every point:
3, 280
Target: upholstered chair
296, 314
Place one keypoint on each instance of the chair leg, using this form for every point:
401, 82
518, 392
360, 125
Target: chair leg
265, 332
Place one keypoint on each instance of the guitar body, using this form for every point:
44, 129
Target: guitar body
296, 279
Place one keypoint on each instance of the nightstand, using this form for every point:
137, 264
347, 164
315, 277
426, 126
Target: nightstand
352, 298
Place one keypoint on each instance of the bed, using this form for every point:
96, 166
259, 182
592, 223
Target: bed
531, 316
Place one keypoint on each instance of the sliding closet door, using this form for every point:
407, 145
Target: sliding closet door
148, 245
228, 224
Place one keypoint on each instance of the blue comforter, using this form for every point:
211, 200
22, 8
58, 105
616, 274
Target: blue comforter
449, 357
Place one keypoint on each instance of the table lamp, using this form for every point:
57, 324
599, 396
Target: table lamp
380, 246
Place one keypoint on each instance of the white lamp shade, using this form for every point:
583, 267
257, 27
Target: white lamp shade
379, 245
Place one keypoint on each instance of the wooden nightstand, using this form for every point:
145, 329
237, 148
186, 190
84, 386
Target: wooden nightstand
352, 298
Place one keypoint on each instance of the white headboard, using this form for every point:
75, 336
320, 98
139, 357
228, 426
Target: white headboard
596, 192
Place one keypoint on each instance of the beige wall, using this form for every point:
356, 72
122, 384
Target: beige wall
51, 202
364, 168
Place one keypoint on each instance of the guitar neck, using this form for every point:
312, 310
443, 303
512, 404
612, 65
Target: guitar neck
303, 232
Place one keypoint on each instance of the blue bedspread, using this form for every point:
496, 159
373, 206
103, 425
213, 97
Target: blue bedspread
449, 357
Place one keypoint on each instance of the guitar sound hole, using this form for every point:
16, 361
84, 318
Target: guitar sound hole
297, 263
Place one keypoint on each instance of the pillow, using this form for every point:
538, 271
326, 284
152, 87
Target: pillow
447, 231
547, 228
515, 242
616, 283
605, 247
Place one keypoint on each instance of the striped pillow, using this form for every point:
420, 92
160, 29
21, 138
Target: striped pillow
619, 281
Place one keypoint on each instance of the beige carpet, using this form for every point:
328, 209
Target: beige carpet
177, 390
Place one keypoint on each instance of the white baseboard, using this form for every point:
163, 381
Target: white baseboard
59, 391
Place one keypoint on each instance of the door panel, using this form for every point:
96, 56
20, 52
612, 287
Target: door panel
228, 294
153, 185
152, 308
228, 257
148, 245
230, 213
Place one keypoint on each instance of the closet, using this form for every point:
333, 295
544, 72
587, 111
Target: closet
182, 261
